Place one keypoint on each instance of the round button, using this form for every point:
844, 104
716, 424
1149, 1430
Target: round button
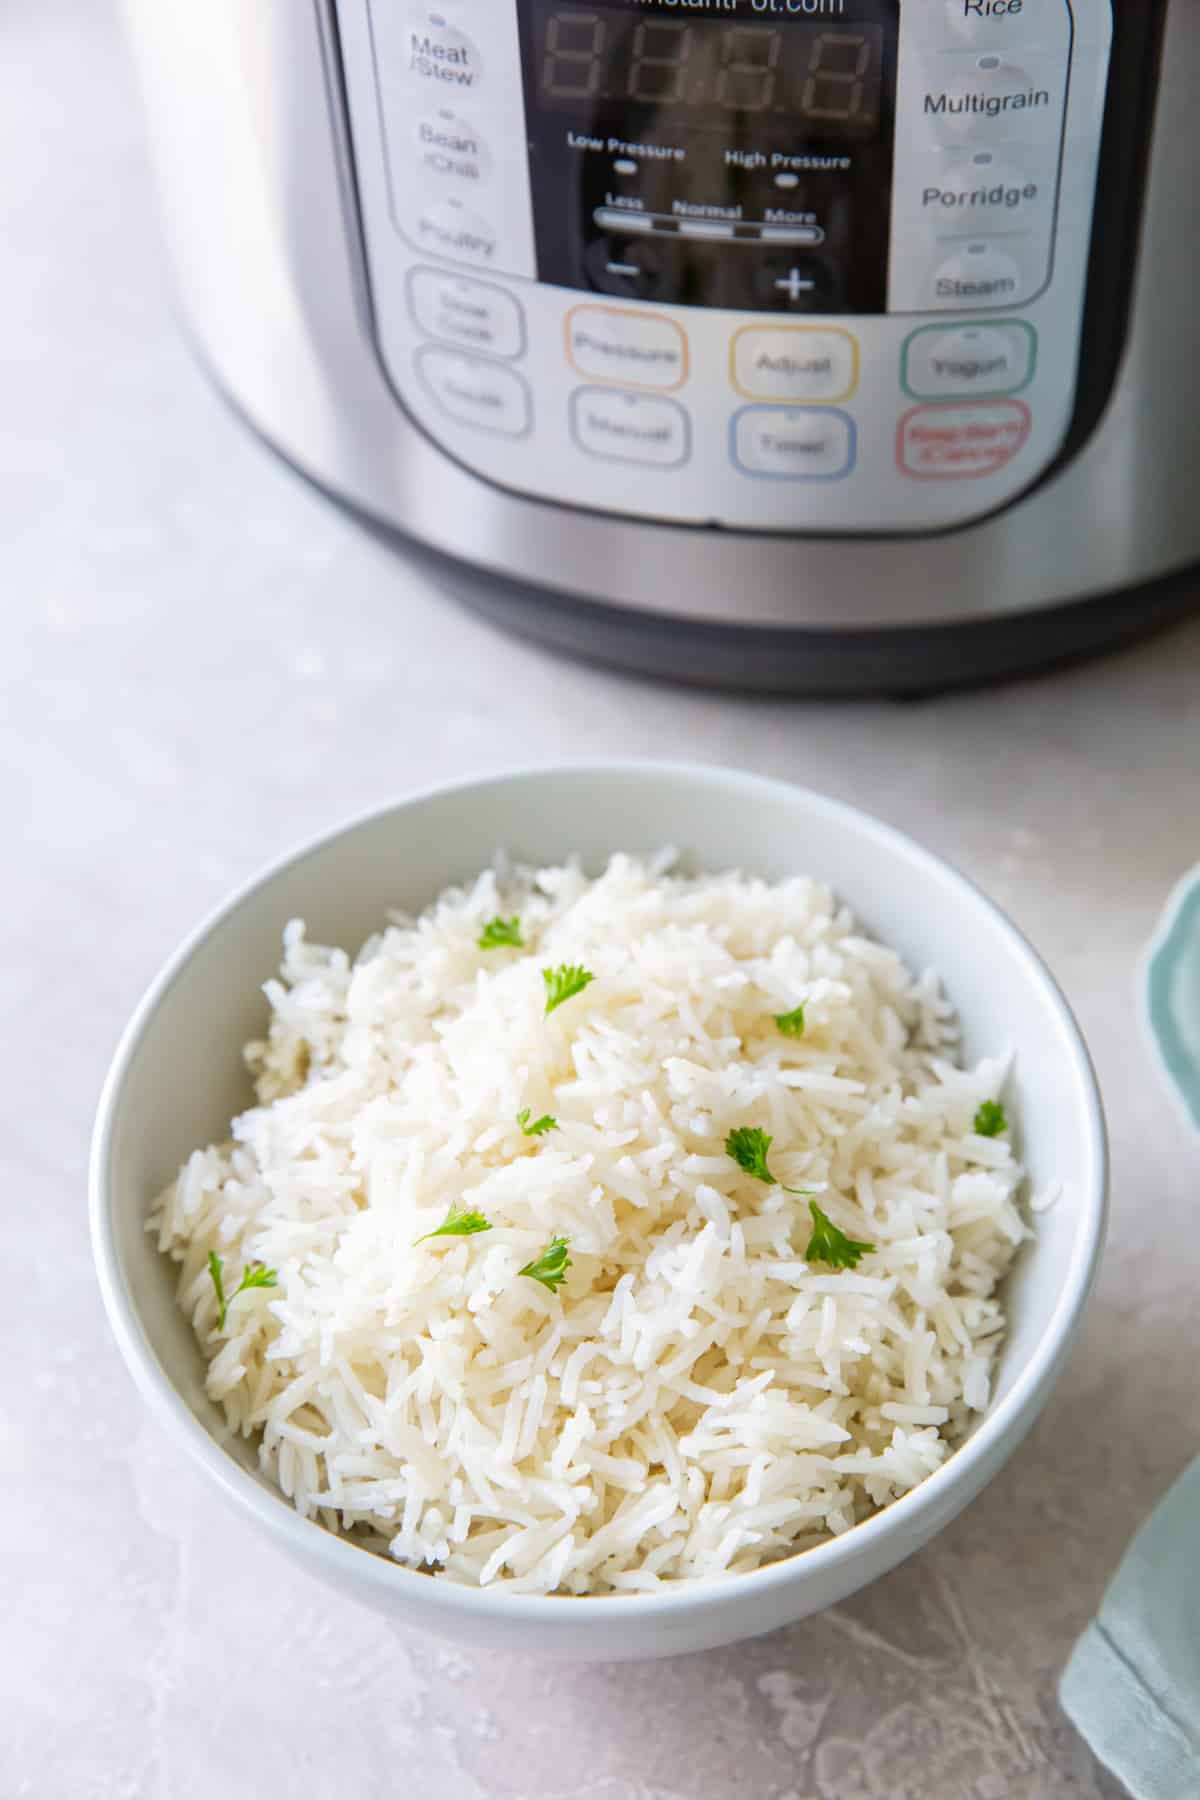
784, 443
451, 150
464, 311
448, 228
794, 362
978, 275
639, 268
987, 98
975, 355
787, 282
1000, 21
482, 394
634, 428
960, 443
972, 359
983, 188
439, 57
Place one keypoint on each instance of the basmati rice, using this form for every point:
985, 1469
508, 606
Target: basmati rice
696, 1400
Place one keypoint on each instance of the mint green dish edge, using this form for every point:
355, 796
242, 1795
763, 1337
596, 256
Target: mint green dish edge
1171, 993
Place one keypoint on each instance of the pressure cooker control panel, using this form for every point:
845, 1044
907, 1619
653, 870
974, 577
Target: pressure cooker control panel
803, 265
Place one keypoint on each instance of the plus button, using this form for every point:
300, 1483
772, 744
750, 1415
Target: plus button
794, 284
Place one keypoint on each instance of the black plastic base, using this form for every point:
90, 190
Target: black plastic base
913, 662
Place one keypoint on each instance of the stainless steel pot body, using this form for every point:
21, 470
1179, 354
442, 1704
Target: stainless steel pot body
262, 203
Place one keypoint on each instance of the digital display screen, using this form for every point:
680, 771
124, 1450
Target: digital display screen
735, 154
820, 79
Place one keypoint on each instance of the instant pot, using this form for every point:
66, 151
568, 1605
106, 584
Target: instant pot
817, 345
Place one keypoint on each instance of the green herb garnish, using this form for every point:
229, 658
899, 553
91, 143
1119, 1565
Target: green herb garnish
791, 1024
215, 1267
990, 1120
254, 1275
829, 1245
563, 983
539, 1127
748, 1146
500, 934
550, 1268
460, 1221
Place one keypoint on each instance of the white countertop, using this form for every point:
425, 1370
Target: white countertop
202, 664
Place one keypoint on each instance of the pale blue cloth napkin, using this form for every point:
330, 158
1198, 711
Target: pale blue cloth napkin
1132, 1686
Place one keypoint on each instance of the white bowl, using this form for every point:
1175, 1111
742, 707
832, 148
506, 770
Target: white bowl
177, 1079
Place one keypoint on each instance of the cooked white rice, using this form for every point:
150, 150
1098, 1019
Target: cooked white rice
696, 1400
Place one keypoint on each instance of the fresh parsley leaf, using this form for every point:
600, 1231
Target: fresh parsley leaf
501, 933
791, 1024
254, 1275
829, 1245
216, 1275
460, 1221
990, 1120
539, 1127
564, 983
550, 1268
748, 1146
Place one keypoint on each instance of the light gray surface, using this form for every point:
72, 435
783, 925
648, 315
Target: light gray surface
201, 664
